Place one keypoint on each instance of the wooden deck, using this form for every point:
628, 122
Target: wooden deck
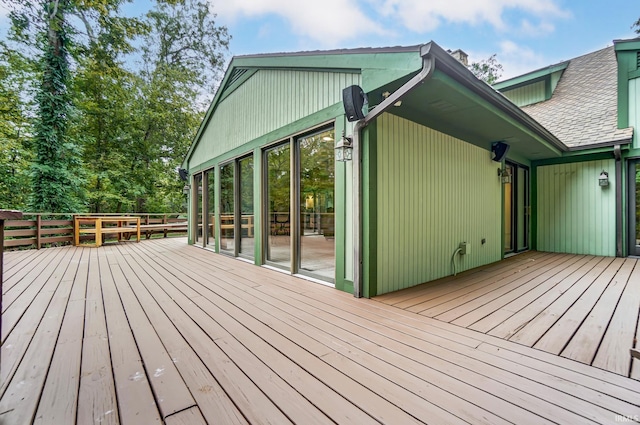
163, 332
581, 307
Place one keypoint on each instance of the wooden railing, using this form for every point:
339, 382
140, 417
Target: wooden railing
42, 230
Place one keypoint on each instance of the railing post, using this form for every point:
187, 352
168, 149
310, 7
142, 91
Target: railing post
164, 221
38, 230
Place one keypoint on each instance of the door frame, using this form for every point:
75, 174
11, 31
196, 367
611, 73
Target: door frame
633, 247
516, 217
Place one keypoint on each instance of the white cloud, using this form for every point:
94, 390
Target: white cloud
529, 29
517, 60
327, 22
423, 16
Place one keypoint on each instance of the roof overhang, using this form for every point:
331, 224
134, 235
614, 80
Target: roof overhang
453, 101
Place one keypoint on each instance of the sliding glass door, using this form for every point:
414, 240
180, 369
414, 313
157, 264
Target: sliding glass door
198, 208
301, 173
634, 207
227, 208
516, 208
316, 200
245, 219
210, 207
277, 166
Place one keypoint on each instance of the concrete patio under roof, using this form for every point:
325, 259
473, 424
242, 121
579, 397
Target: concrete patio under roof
165, 332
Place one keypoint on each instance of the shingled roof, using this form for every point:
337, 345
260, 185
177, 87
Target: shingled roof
583, 109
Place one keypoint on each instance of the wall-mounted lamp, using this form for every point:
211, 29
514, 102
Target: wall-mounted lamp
186, 189
344, 149
504, 175
603, 180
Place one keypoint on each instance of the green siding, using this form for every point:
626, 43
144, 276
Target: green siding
434, 191
634, 109
269, 100
527, 95
574, 214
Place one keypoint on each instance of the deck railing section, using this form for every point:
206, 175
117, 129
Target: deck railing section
37, 230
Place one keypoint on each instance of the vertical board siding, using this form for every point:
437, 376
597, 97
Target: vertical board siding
434, 191
575, 214
267, 101
634, 109
527, 95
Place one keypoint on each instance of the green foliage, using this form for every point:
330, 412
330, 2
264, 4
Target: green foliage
55, 173
488, 70
636, 26
106, 137
15, 155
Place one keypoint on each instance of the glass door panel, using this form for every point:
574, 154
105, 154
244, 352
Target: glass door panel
198, 212
245, 167
634, 208
278, 223
508, 209
227, 208
317, 218
211, 202
637, 204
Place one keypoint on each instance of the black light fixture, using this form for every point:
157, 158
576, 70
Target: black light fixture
344, 149
499, 151
603, 180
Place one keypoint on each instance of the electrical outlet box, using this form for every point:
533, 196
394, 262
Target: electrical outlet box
465, 248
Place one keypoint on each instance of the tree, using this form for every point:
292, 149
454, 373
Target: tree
183, 58
15, 126
636, 26
488, 70
54, 174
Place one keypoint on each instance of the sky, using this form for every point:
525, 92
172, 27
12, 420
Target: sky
524, 34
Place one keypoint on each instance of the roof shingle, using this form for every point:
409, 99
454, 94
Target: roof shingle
583, 108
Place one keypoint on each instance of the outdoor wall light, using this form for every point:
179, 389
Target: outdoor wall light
504, 175
344, 149
186, 189
603, 180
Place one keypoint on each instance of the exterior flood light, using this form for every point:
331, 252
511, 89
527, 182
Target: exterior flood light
603, 180
344, 149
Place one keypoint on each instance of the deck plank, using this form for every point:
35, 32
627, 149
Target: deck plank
24, 327
21, 396
426, 292
536, 328
453, 306
284, 325
481, 308
586, 406
558, 336
585, 342
132, 382
515, 315
256, 406
213, 401
613, 353
59, 401
97, 396
191, 416
250, 345
229, 323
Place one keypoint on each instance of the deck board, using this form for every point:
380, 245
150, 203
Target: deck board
581, 307
235, 343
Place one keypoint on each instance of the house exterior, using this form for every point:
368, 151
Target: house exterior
427, 193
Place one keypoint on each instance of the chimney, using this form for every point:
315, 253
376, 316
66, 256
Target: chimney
461, 56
